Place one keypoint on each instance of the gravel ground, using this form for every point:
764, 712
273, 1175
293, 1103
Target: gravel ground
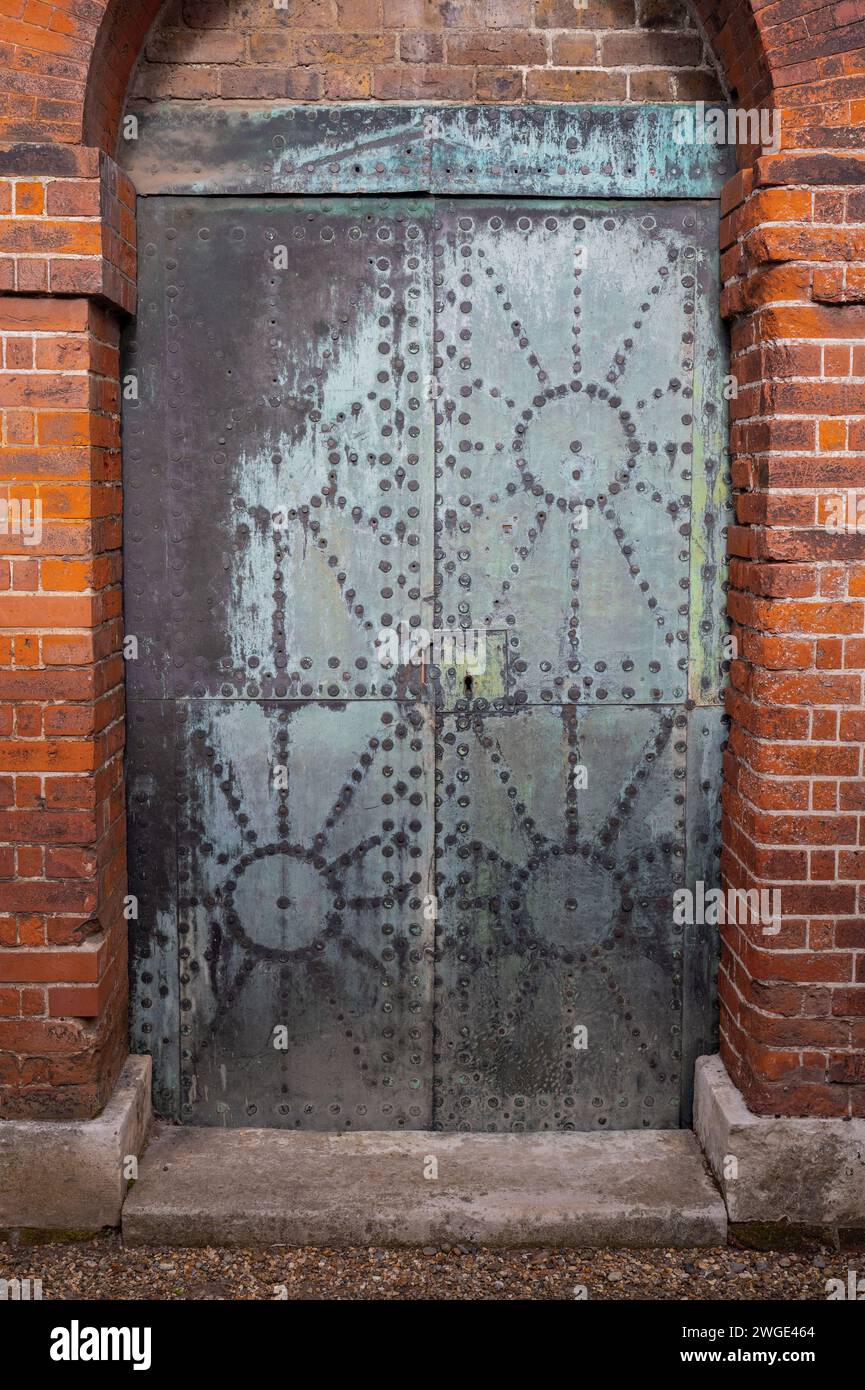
104, 1269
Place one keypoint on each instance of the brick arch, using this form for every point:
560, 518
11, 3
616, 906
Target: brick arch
769, 54
116, 46
793, 259
69, 65
789, 52
743, 46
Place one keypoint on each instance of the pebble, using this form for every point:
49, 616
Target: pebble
104, 1269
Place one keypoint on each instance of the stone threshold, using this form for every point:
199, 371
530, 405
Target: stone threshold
261, 1187
760, 1178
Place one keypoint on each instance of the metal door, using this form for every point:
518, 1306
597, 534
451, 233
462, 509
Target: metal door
402, 897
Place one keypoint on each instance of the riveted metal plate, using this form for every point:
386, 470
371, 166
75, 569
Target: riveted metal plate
708, 728
152, 857
540, 150
565, 440
555, 917
277, 149
458, 415
711, 487
300, 908
294, 482
585, 151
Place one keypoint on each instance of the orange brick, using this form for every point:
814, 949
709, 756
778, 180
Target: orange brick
29, 199
833, 434
72, 575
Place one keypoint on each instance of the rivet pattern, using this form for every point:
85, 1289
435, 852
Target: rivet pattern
359, 413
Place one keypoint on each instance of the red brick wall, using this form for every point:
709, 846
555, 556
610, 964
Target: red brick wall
62, 870
793, 1005
461, 50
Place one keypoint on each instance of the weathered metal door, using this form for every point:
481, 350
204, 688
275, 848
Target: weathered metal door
416, 896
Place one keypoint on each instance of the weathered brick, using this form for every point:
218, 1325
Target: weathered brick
598, 14
574, 50
208, 46
499, 84
436, 82
347, 84
650, 50
564, 84
421, 48
321, 48
503, 47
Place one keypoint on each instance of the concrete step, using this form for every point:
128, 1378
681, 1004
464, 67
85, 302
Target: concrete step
269, 1187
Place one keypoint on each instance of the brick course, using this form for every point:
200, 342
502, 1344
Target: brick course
69, 232
391, 50
793, 249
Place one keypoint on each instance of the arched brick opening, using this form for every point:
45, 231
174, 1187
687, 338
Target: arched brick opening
793, 1006
69, 67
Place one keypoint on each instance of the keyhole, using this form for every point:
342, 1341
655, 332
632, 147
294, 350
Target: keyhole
469, 684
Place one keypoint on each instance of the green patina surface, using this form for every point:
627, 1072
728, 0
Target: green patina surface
556, 150
457, 411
